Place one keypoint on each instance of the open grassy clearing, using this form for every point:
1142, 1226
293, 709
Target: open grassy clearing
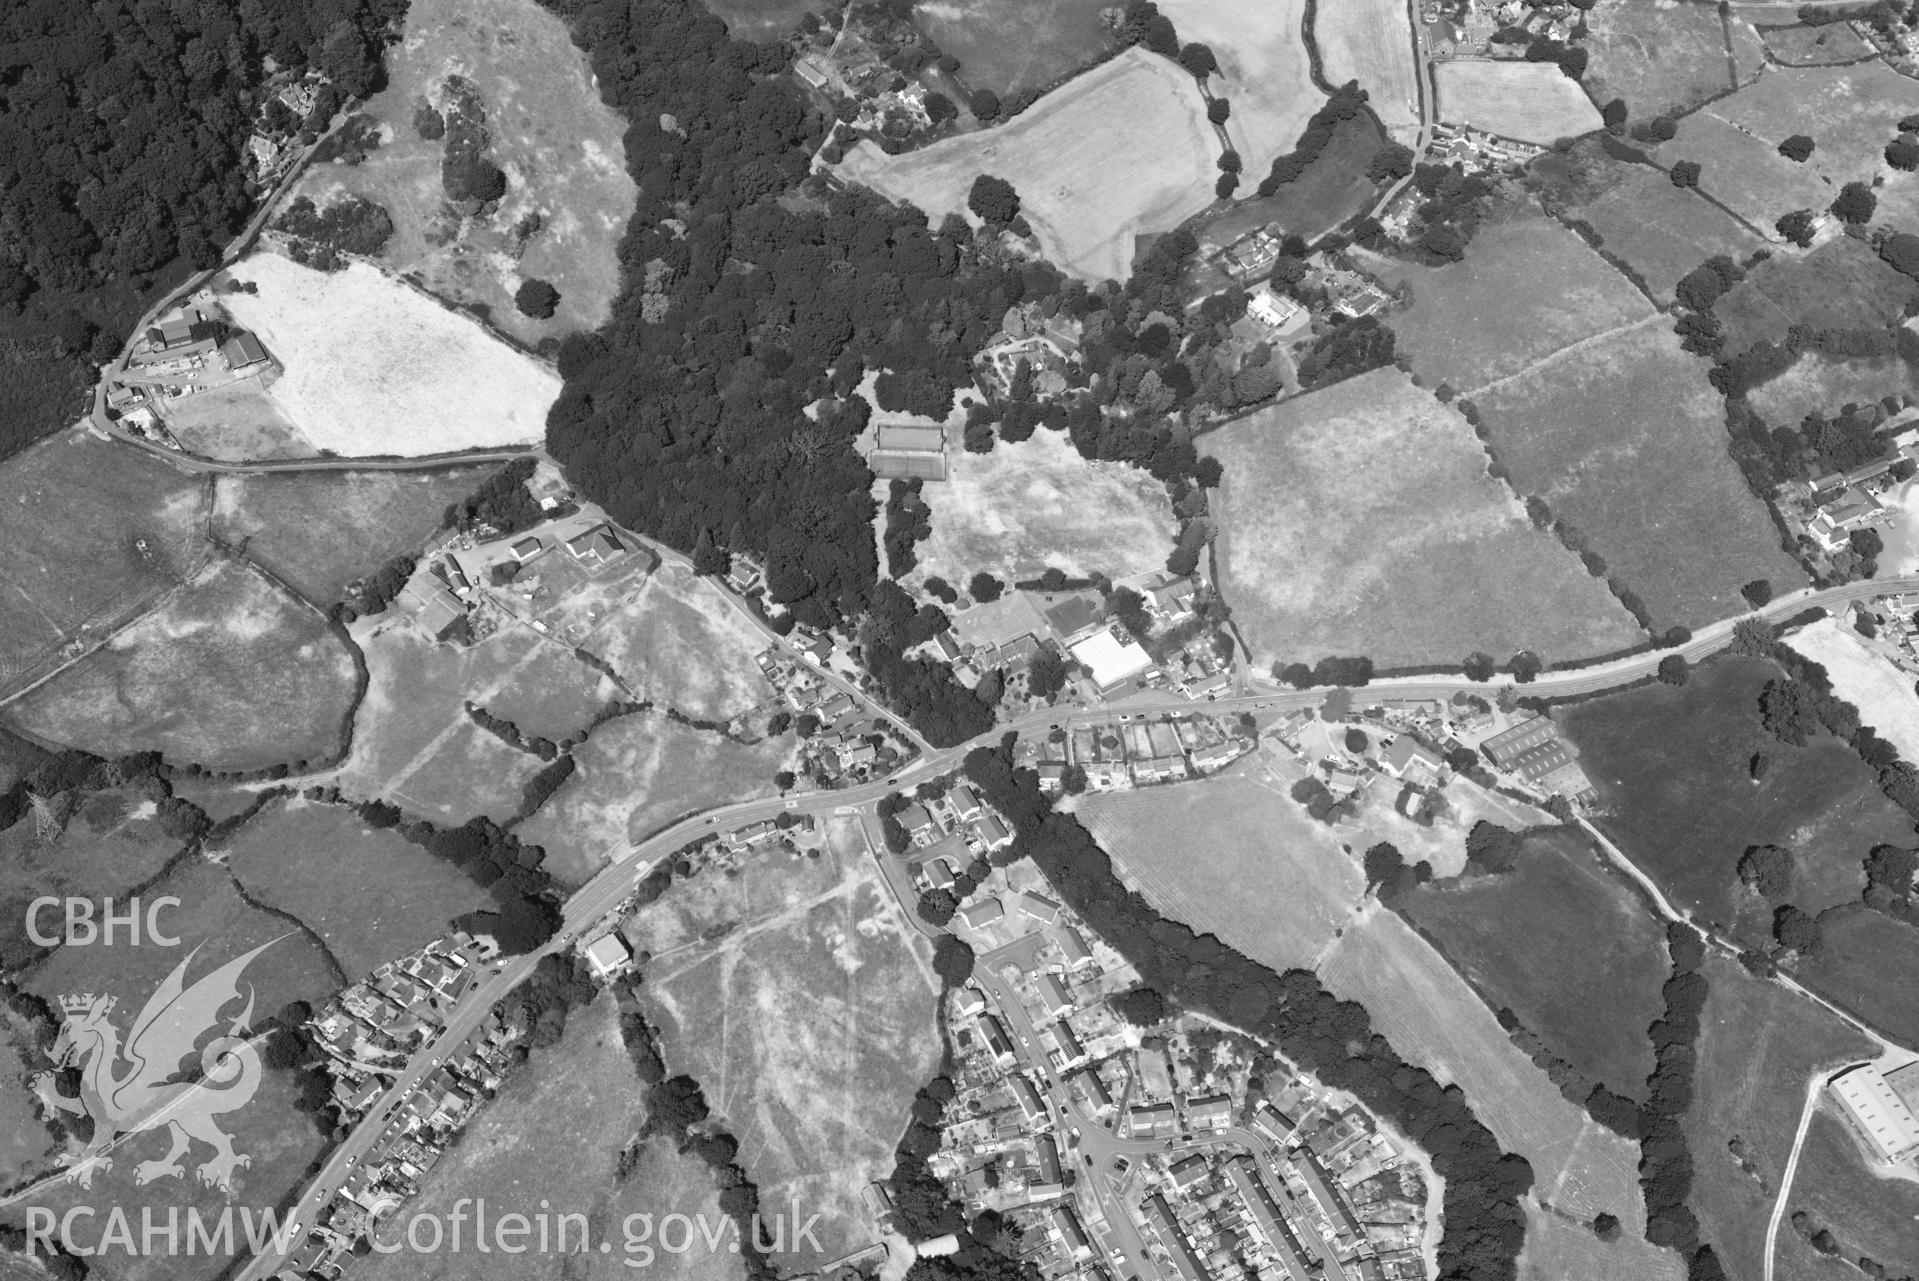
1263, 71
682, 643
1821, 46
560, 146
554, 1135
1865, 965
811, 1022
761, 20
1434, 1019
1843, 284
1008, 46
1816, 384
372, 895
1758, 1047
112, 843
1119, 152
318, 532
641, 773
1512, 936
1447, 562
1745, 171
1871, 1214
1864, 676
1528, 288
238, 422
1371, 41
1232, 856
1658, 57
1659, 230
1531, 101
1671, 767
375, 367
555, 696
95, 532
1557, 1250
1026, 506
207, 678
412, 739
1625, 439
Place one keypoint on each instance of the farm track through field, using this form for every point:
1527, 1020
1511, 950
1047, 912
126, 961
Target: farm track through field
461, 722
1570, 349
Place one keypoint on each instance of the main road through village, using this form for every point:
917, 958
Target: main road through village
615, 882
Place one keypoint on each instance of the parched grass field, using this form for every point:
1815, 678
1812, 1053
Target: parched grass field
1026, 506
810, 1021
206, 678
236, 423
1514, 936
1870, 1213
1119, 152
374, 367
682, 643
1817, 384
1008, 46
1263, 71
95, 532
1855, 965
1434, 1019
1560, 1251
638, 774
554, 1136
318, 532
1834, 42
1843, 284
1658, 57
1659, 230
561, 148
555, 696
761, 20
1865, 677
1670, 765
1531, 101
1232, 856
1758, 1047
1625, 438
112, 844
372, 895
1360, 519
1528, 288
1371, 41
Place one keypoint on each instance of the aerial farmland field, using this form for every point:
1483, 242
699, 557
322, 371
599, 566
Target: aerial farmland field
1448, 563
1824, 45
1531, 101
805, 1003
1263, 71
547, 128
1817, 384
682, 643
203, 679
761, 20
1843, 284
1871, 1214
1119, 152
1864, 676
1860, 948
95, 533
1557, 1250
375, 367
1036, 503
1659, 58
1008, 46
1624, 438
1371, 41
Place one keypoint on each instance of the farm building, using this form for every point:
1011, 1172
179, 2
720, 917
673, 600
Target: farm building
1877, 1113
1053, 996
1534, 750
906, 452
1111, 661
596, 546
242, 351
1271, 309
1072, 946
527, 548
1905, 1083
434, 607
1854, 508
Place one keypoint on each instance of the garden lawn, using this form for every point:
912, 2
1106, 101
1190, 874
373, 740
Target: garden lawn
1671, 767
230, 672
1439, 559
1625, 439
1563, 943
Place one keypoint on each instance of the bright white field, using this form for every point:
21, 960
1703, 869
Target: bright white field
1123, 150
1263, 70
1530, 101
1371, 41
1866, 679
374, 367
1026, 506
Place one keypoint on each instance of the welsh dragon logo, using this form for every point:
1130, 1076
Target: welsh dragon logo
131, 1088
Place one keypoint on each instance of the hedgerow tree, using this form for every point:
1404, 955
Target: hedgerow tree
1767, 869
993, 199
1855, 204
1685, 173
1797, 148
1673, 669
1219, 110
536, 298
1198, 60
1902, 153
1796, 227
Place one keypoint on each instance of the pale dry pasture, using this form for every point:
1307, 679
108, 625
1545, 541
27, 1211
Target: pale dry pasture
1866, 678
1036, 503
1119, 152
1263, 70
680, 642
1371, 41
1531, 101
375, 367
